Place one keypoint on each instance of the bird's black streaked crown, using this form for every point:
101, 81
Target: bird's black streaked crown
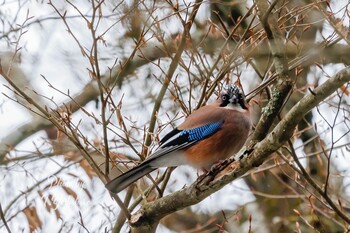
235, 95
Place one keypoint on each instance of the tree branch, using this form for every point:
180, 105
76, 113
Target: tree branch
154, 211
286, 79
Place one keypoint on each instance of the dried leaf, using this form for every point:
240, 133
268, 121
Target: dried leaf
87, 168
33, 218
45, 201
70, 192
50, 204
72, 156
344, 90
51, 133
54, 207
92, 74
115, 156
64, 146
343, 30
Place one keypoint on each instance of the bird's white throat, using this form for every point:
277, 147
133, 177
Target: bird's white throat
235, 107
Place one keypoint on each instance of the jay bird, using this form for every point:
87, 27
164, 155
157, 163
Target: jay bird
212, 133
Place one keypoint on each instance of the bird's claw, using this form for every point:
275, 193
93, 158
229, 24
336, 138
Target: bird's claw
215, 168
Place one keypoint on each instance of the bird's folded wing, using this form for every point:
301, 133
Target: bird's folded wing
177, 139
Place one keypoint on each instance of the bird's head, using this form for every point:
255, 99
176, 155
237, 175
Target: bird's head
232, 97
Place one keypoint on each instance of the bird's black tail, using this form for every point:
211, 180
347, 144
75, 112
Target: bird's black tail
124, 180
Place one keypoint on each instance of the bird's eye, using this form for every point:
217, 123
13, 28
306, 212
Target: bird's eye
224, 98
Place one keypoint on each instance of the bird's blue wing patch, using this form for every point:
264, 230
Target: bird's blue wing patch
201, 132
181, 139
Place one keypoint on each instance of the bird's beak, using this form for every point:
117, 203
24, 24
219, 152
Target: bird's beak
233, 100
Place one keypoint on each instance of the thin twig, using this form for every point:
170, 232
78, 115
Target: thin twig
324, 194
167, 79
2, 216
56, 120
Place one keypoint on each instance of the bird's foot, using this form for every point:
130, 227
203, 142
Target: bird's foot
208, 175
215, 168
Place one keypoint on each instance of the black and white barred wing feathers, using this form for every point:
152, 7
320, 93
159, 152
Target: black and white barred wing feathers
168, 154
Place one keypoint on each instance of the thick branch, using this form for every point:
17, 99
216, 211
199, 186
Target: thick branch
286, 79
153, 211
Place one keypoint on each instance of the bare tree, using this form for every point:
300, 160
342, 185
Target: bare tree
90, 87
